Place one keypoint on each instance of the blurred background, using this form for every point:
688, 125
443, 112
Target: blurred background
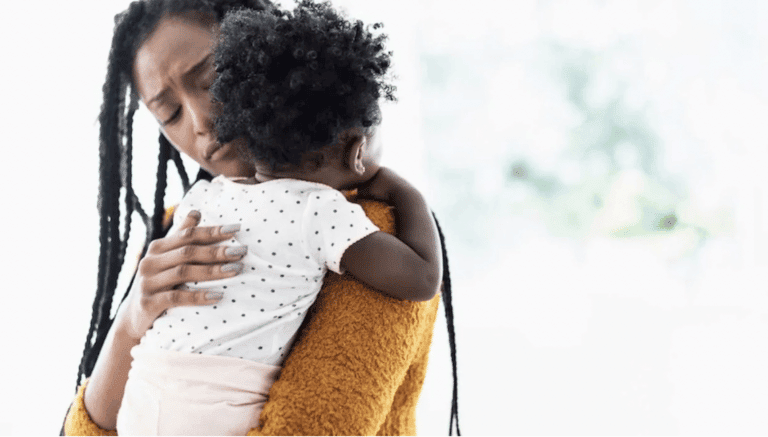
598, 168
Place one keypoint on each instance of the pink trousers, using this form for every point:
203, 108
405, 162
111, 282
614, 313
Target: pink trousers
176, 393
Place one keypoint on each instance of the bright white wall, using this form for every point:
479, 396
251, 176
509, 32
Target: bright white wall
54, 64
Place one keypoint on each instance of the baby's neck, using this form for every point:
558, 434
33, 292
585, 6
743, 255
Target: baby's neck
255, 180
327, 175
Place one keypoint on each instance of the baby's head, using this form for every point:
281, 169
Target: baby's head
302, 90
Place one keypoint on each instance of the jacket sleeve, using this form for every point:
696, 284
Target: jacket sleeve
352, 355
78, 422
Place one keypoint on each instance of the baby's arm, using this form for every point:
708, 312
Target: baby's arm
408, 266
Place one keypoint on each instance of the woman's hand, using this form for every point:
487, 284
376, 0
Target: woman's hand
188, 255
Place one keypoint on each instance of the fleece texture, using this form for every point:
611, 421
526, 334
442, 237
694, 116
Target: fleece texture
78, 421
357, 367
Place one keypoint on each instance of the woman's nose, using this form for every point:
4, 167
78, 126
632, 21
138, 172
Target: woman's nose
200, 111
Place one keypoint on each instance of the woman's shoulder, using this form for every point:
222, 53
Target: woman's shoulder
379, 213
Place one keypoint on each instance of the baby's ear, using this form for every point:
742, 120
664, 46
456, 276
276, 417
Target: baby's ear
354, 154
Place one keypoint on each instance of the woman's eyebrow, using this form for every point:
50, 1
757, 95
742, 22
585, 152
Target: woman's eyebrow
199, 66
159, 96
193, 70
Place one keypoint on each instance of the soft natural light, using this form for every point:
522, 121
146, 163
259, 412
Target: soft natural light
598, 168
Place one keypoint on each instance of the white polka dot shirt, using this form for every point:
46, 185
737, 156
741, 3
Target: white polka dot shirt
295, 232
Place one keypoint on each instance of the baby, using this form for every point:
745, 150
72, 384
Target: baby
298, 92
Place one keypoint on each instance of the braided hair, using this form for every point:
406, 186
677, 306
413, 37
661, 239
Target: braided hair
132, 28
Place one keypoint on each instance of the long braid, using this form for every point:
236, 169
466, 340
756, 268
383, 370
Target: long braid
176, 157
140, 210
130, 197
108, 194
110, 160
110, 206
451, 334
203, 175
131, 200
156, 226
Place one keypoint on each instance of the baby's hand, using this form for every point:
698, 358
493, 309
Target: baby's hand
384, 185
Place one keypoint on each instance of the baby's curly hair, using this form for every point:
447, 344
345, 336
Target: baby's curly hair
290, 82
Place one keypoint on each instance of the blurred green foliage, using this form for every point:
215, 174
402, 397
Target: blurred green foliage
610, 132
491, 178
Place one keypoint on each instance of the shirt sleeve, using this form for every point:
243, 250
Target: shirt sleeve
331, 224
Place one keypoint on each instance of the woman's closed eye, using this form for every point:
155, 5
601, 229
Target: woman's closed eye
173, 117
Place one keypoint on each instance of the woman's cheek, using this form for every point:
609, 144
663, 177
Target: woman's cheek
176, 140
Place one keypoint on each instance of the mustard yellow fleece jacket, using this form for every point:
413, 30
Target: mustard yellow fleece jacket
357, 367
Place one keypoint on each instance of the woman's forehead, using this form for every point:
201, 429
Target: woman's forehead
173, 48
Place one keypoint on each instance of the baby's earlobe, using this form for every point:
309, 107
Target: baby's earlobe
359, 167
357, 161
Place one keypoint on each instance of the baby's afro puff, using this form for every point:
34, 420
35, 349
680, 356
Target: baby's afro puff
290, 82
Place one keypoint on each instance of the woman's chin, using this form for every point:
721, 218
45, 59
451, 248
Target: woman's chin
230, 162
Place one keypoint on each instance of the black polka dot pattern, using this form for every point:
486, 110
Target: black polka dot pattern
334, 226
294, 232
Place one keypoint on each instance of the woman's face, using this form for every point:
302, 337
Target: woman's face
173, 71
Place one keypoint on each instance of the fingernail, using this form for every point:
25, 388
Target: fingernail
211, 295
235, 251
195, 213
228, 229
231, 266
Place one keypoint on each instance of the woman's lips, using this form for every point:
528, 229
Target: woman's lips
213, 151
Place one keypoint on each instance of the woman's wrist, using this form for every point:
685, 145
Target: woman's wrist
123, 331
106, 384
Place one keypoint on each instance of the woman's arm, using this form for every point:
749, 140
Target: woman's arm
107, 382
408, 266
185, 256
356, 368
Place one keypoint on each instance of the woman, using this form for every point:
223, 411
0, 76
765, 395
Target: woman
160, 53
